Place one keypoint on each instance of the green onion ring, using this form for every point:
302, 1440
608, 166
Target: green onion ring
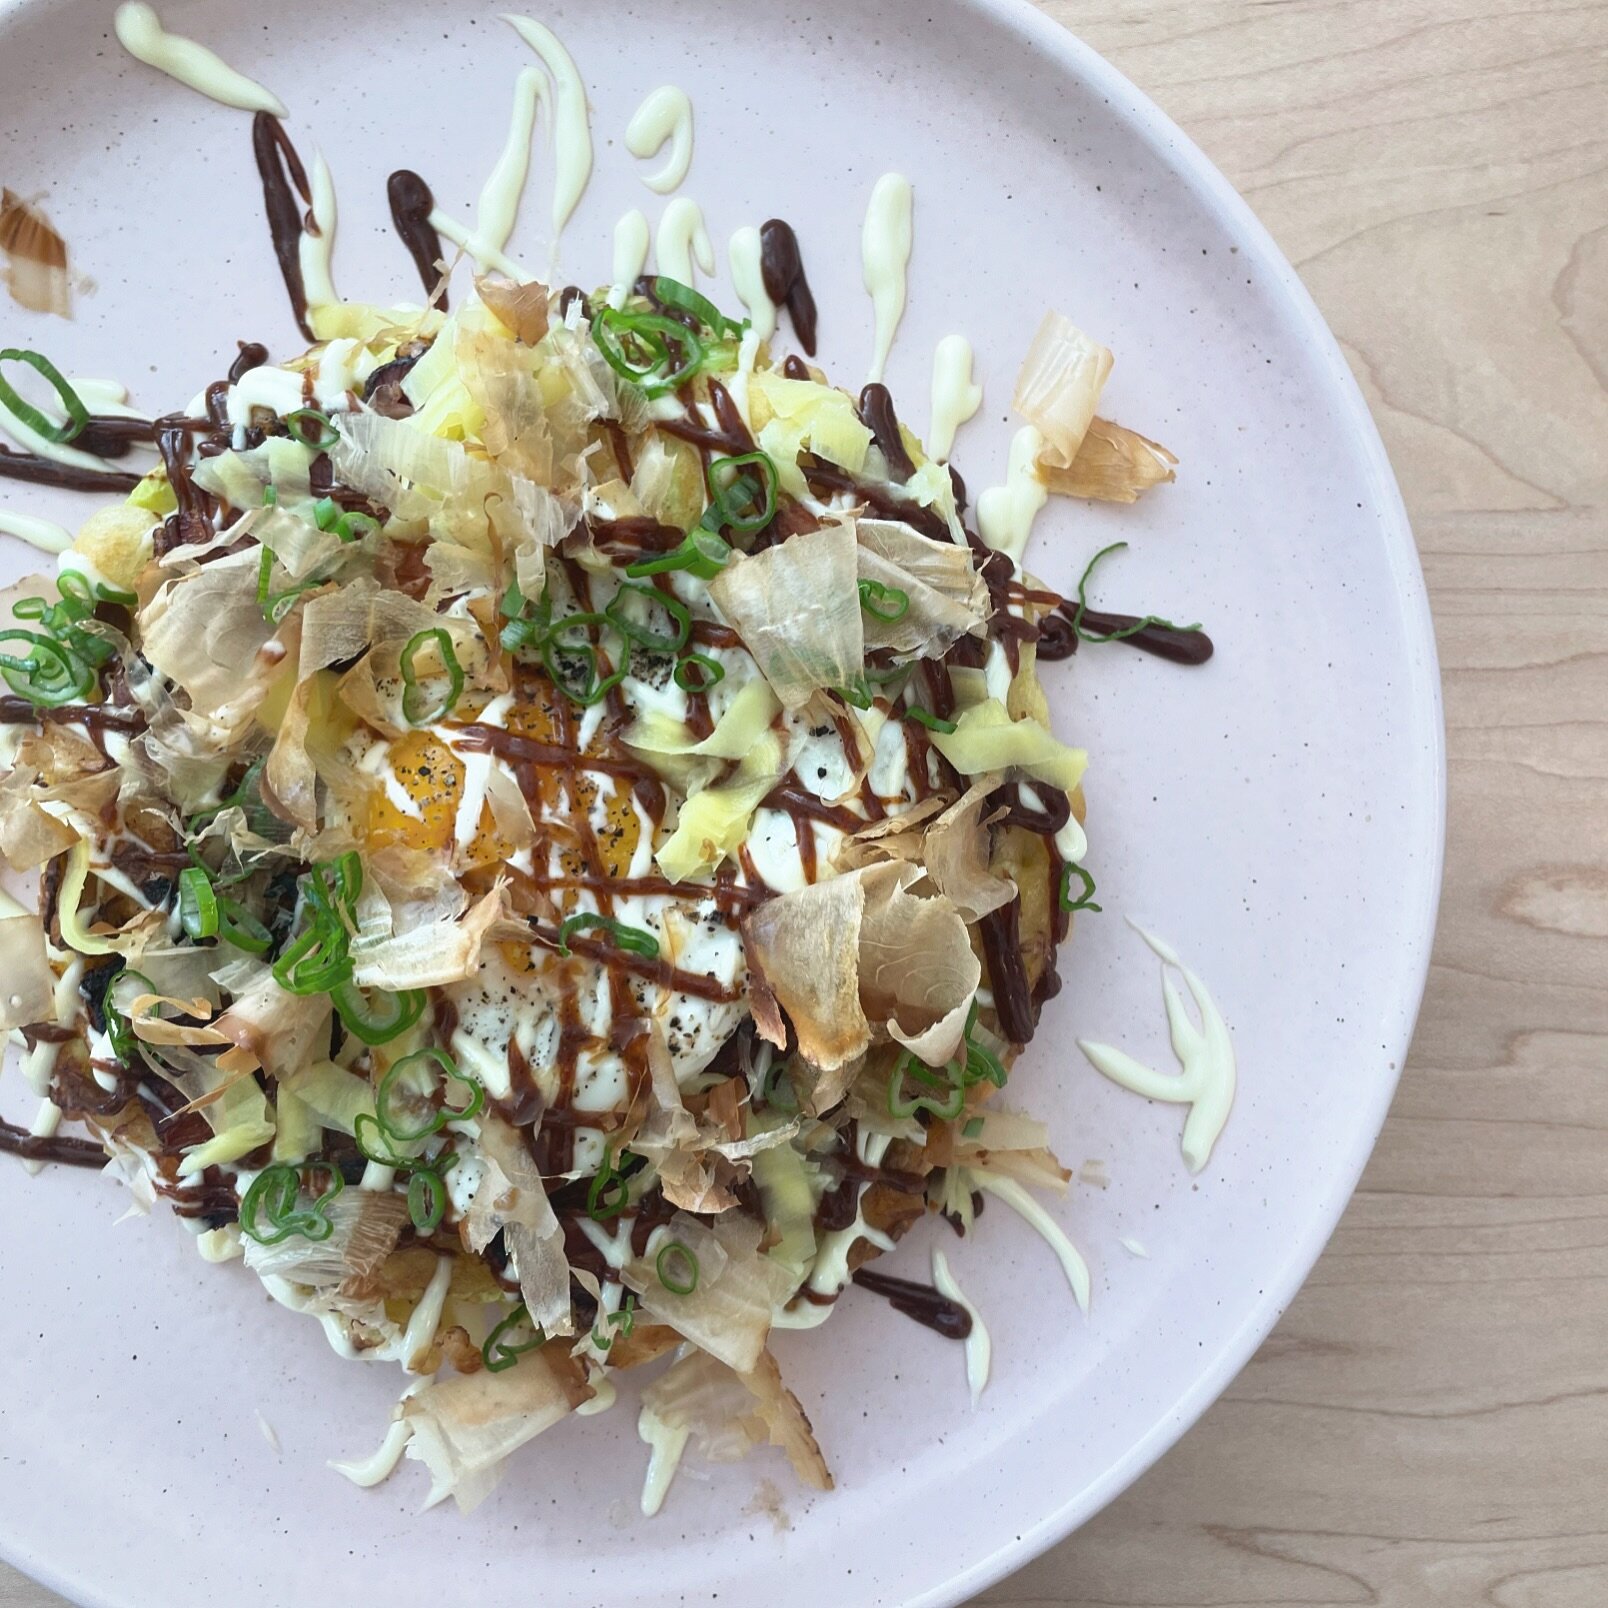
444, 1070
711, 672
634, 940
702, 553
49, 675
414, 708
377, 1023
427, 1200
1085, 900
497, 1354
650, 641
237, 926
889, 604
77, 414
296, 423
198, 904
274, 1193
724, 496
678, 1279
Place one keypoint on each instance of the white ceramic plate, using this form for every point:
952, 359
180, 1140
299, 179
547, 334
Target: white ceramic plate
1277, 815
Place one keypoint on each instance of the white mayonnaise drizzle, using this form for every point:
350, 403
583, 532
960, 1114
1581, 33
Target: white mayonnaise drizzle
572, 133
420, 1333
885, 257
217, 1245
500, 194
748, 278
44, 534
665, 1444
979, 1348
683, 240
381, 1464
140, 32
630, 255
1050, 1231
666, 115
316, 250
604, 1394
1206, 1053
1005, 514
955, 397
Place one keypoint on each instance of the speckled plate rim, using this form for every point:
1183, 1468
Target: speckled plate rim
1050, 40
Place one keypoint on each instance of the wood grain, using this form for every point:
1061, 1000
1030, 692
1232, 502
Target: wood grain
1428, 1427
1429, 1423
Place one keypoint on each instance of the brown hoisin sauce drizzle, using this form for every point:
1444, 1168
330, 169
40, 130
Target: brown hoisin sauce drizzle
284, 179
786, 283
411, 206
539, 765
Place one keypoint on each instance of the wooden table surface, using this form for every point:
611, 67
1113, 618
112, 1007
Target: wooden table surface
1428, 1426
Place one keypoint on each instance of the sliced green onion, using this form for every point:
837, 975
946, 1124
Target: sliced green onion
710, 672
378, 1017
776, 1088
621, 1322
634, 940
76, 592
316, 961
1127, 630
353, 527
687, 300
371, 1140
526, 626
198, 904
499, 1352
246, 793
326, 511
637, 346
886, 603
619, 610
972, 1128
115, 594
312, 429
609, 1192
433, 1069
48, 675
859, 695
416, 710
702, 554
237, 926
270, 496
347, 874
276, 605
555, 650
741, 504
427, 1200
677, 1268
72, 403
119, 1026
1085, 900
925, 717
982, 1065
898, 1106
268, 1213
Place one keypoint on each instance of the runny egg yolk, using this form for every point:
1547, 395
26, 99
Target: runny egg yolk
563, 803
